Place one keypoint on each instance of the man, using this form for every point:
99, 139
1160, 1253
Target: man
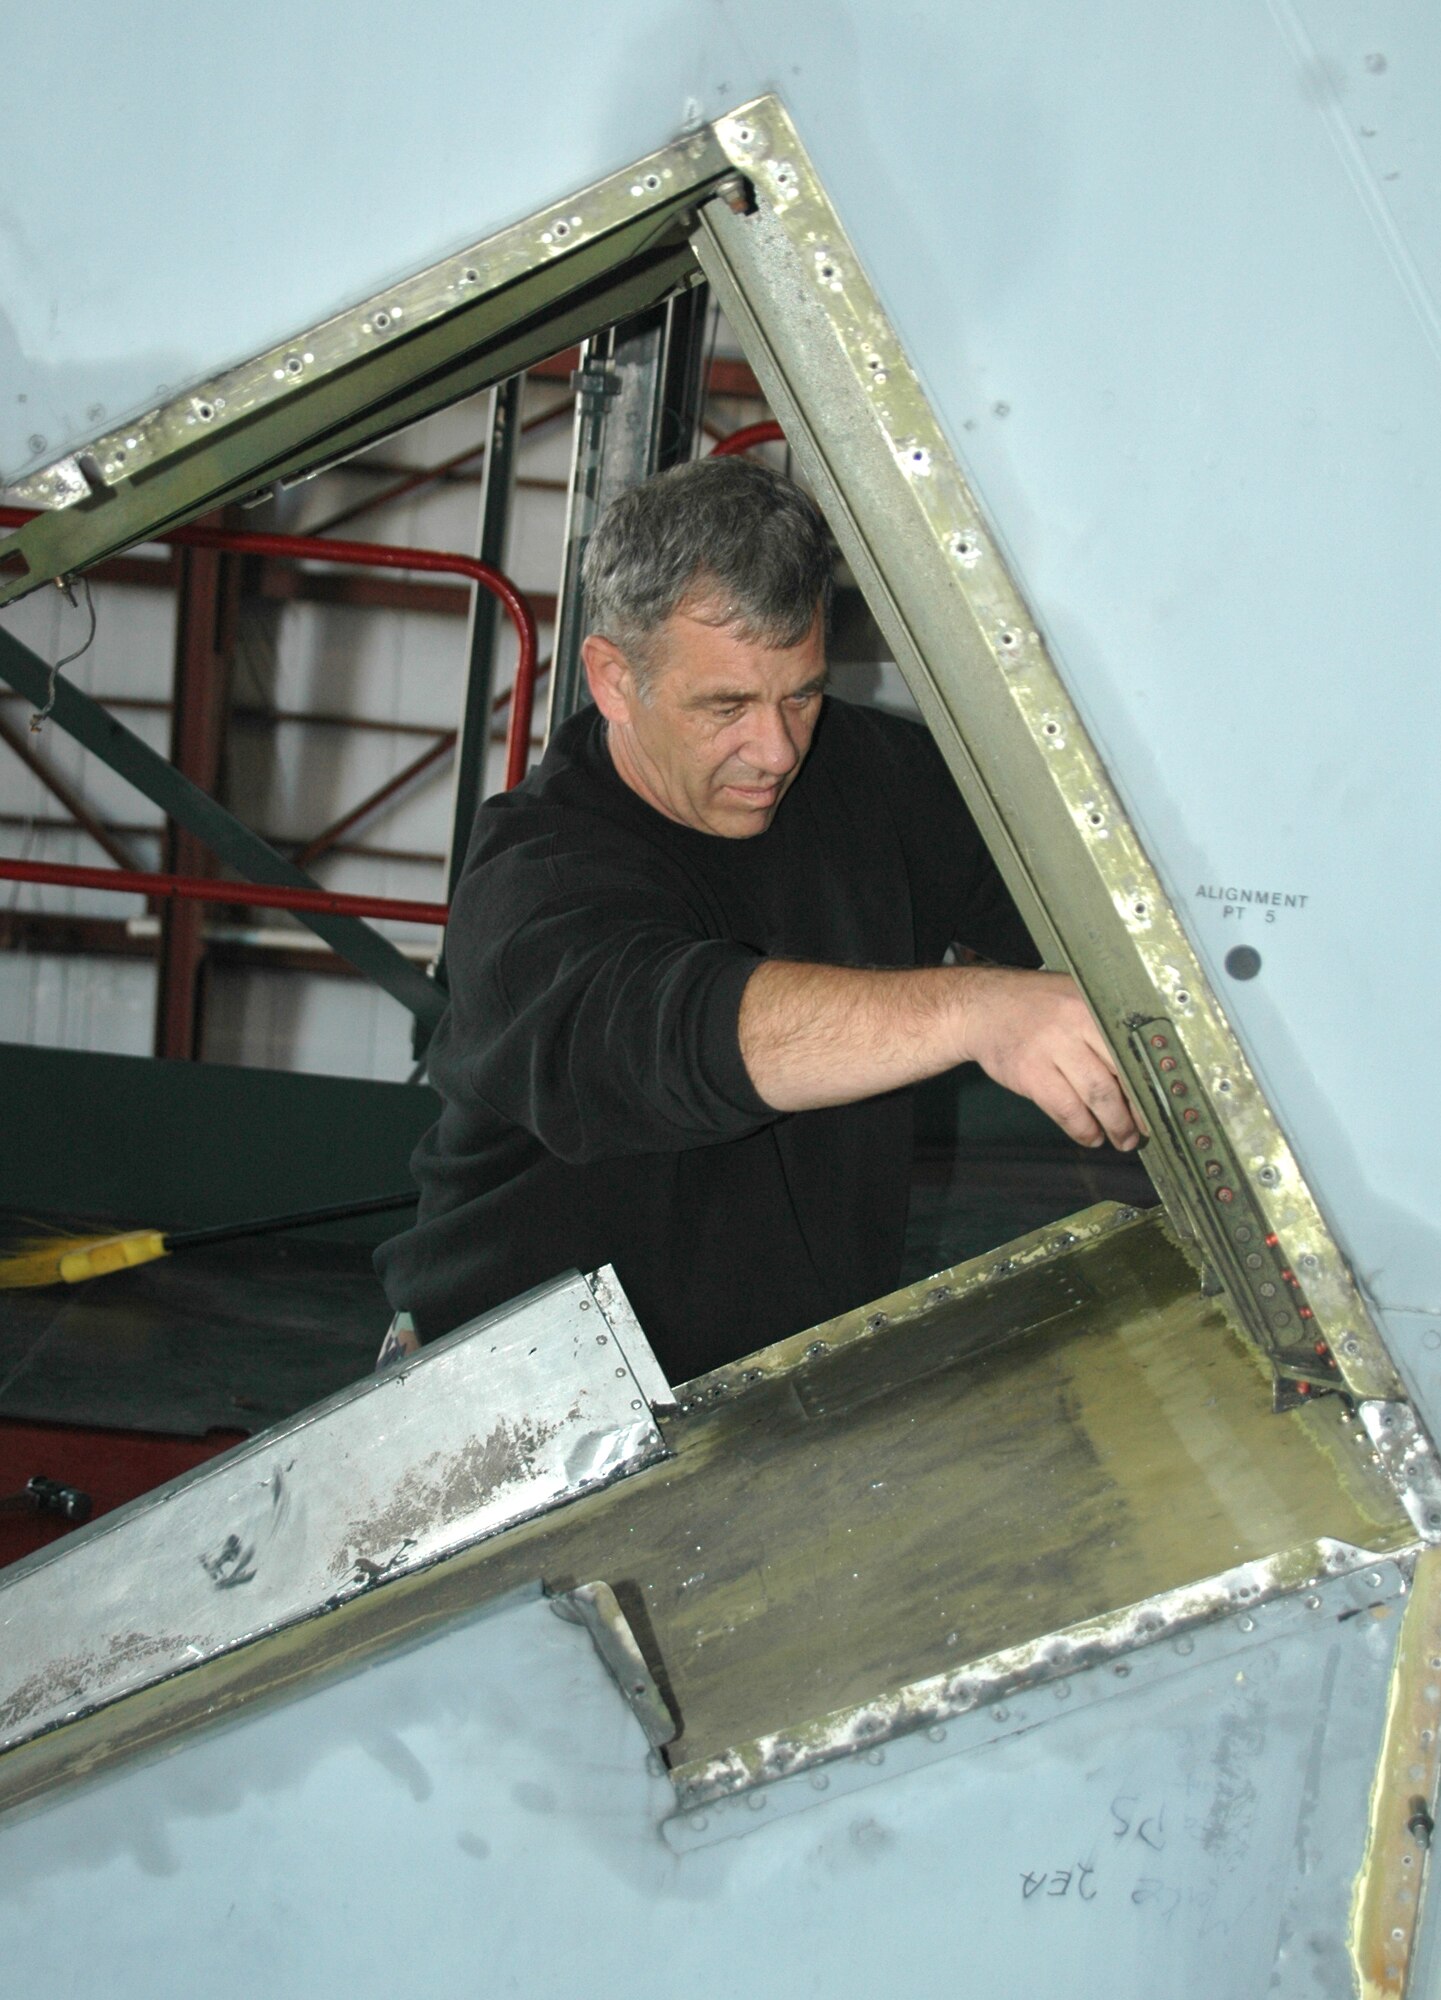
695, 960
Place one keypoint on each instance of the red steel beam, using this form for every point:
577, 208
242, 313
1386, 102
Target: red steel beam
747, 437
206, 616
382, 555
726, 376
206, 889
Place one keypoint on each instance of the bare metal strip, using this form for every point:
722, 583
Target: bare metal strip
626, 1329
1392, 1883
223, 400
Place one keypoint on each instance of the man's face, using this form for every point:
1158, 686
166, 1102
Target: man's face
724, 726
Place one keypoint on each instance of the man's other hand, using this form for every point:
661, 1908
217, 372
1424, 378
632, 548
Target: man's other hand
1034, 1034
813, 1035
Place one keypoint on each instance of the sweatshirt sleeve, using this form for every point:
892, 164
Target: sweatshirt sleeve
589, 1007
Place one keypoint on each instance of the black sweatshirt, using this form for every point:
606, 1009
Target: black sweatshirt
595, 1105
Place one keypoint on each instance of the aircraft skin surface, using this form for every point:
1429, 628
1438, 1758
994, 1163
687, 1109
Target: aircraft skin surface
1169, 285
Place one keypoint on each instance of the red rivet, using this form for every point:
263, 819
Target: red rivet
1225, 1194
1158, 1042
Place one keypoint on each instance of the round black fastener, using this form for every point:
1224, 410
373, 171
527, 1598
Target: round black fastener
1243, 961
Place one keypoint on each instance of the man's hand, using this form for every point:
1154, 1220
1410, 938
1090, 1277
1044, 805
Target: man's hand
813, 1035
1034, 1033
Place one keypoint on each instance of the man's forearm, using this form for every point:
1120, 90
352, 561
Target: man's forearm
817, 1035
813, 1035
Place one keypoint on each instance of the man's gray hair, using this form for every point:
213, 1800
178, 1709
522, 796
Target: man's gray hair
732, 541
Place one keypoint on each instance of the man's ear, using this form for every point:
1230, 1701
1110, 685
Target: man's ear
608, 673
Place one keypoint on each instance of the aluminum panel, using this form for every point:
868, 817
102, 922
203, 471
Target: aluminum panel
509, 1416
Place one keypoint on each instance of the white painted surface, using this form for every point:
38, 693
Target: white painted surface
478, 1816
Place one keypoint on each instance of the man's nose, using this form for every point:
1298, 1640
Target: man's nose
772, 747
